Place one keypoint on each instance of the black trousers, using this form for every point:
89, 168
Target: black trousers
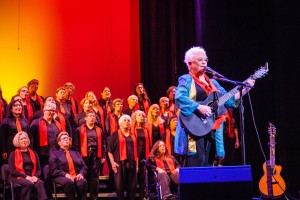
125, 178
93, 164
141, 179
27, 188
71, 188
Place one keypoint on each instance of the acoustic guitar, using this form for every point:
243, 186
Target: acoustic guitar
199, 125
271, 184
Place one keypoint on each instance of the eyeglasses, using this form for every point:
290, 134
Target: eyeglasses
50, 110
26, 91
17, 105
65, 138
202, 59
90, 116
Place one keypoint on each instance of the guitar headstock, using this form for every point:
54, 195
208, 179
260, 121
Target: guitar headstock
272, 130
261, 72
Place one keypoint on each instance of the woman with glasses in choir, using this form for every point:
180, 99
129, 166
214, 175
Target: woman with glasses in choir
12, 124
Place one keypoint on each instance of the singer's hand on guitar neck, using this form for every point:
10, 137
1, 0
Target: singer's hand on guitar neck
204, 110
251, 83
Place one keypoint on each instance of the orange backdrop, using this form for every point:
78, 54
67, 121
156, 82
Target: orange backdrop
92, 44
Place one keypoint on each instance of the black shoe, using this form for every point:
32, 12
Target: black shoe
169, 197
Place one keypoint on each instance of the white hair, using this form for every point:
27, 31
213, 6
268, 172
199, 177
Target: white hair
49, 106
123, 117
189, 54
131, 97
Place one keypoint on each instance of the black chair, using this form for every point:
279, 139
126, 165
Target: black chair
55, 187
8, 185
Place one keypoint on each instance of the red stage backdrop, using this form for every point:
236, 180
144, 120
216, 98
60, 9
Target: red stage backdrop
92, 44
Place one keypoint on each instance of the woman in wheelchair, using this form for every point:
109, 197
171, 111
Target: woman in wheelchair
166, 166
25, 169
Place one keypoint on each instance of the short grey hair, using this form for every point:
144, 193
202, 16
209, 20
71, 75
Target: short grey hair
16, 140
123, 117
189, 54
131, 97
49, 106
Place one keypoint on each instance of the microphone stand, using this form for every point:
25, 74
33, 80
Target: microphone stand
240, 85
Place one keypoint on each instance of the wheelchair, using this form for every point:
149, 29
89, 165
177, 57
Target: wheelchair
153, 188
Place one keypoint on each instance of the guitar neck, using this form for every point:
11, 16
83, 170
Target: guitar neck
272, 151
228, 95
258, 74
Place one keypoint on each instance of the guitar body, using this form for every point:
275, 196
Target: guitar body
271, 184
199, 125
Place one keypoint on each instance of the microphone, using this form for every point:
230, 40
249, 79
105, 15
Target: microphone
213, 72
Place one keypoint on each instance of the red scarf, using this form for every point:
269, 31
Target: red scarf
62, 121
113, 123
168, 141
229, 118
101, 112
84, 143
19, 161
147, 141
161, 130
170, 163
43, 131
73, 104
123, 149
146, 105
30, 108
203, 85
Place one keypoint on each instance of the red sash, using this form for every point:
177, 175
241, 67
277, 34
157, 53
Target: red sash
230, 130
84, 143
43, 131
146, 105
62, 121
30, 108
123, 149
170, 163
161, 130
19, 161
18, 125
147, 140
73, 105
101, 112
113, 123
168, 141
